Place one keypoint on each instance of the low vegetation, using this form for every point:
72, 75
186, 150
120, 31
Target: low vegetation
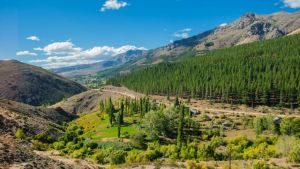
131, 131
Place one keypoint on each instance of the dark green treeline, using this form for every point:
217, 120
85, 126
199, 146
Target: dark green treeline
265, 73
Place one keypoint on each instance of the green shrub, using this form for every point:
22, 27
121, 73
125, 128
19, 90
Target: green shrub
261, 151
91, 145
138, 140
294, 155
59, 145
100, 157
20, 134
117, 157
37, 145
260, 164
79, 153
135, 157
44, 137
170, 151
191, 164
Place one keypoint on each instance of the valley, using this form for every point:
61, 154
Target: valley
225, 98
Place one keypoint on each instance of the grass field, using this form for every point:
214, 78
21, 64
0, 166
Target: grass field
96, 126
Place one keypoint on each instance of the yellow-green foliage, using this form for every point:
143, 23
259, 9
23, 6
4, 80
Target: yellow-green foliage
261, 151
20, 134
191, 164
226, 166
260, 164
98, 127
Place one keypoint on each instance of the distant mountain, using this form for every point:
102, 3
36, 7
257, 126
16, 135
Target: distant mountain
86, 69
259, 73
248, 28
33, 85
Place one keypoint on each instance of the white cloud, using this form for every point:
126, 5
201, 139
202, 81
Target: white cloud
33, 38
25, 53
223, 24
113, 5
291, 3
61, 54
184, 33
60, 48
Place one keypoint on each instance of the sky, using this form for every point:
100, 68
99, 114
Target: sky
58, 33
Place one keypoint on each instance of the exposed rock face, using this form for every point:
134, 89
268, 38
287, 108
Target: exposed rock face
33, 85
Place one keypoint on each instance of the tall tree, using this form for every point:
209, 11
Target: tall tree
180, 127
122, 112
111, 111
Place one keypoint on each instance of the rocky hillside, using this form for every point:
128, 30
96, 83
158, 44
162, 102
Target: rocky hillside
33, 120
248, 28
16, 153
33, 85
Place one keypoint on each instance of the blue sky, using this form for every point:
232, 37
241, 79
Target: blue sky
39, 31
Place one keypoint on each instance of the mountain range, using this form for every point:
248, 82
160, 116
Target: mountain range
248, 28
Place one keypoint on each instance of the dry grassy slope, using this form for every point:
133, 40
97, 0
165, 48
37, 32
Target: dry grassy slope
33, 85
15, 153
295, 32
33, 120
88, 101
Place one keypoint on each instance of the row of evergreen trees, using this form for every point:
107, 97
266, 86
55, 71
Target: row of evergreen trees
266, 72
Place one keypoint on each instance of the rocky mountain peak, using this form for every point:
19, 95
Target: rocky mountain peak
245, 20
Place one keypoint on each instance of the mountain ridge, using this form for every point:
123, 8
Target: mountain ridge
33, 85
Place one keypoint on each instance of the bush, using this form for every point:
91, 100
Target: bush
191, 164
135, 157
169, 151
37, 145
91, 145
152, 155
261, 151
59, 145
117, 157
79, 153
294, 155
100, 157
138, 140
260, 164
285, 145
20, 134
44, 137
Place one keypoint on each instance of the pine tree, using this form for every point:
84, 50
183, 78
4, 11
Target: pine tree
111, 110
122, 112
180, 127
119, 122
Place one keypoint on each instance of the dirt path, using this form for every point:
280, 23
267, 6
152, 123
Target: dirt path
207, 106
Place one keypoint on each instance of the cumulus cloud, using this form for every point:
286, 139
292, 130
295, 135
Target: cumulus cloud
291, 3
61, 54
33, 38
223, 24
113, 5
184, 33
59, 48
25, 53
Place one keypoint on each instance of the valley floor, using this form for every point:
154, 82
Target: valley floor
208, 106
